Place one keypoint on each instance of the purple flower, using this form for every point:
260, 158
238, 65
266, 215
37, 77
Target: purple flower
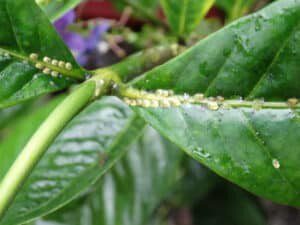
80, 45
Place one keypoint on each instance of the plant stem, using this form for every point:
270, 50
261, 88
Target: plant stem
140, 62
41, 140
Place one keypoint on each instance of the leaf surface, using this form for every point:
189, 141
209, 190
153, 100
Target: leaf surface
84, 151
56, 8
28, 40
130, 192
235, 8
254, 144
184, 16
145, 9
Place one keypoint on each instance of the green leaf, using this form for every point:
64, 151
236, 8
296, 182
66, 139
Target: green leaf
184, 16
27, 32
56, 8
235, 8
86, 149
145, 9
255, 57
28, 123
132, 190
9, 114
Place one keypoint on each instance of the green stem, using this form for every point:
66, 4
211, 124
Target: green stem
140, 62
41, 140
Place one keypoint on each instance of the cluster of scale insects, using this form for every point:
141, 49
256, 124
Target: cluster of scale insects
167, 99
47, 62
5, 54
46, 65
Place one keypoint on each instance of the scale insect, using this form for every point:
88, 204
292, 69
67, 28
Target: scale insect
167, 99
50, 66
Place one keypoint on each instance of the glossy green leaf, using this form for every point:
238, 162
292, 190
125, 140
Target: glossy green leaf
87, 148
255, 57
184, 16
56, 8
132, 190
25, 32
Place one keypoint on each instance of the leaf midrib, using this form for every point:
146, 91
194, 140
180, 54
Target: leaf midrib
62, 71
182, 20
66, 73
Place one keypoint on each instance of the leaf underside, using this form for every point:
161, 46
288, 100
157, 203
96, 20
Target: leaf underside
255, 148
129, 193
84, 151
